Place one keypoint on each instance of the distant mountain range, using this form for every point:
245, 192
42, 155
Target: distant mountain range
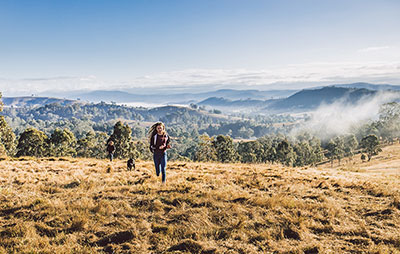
304, 100
166, 98
180, 98
313, 98
370, 86
229, 99
31, 101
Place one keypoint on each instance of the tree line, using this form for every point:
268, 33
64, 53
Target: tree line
303, 150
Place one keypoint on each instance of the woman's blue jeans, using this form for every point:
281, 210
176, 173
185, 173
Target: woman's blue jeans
160, 162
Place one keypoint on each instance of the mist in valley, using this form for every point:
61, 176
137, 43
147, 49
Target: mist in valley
344, 117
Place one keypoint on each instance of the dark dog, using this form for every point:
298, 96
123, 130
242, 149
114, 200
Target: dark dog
131, 164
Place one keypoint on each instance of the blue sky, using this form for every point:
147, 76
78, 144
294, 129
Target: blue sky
91, 44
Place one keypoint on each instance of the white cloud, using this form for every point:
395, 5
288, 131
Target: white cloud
311, 74
289, 77
11, 87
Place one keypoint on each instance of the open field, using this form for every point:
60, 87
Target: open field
70, 205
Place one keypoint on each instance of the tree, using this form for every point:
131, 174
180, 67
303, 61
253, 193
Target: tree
7, 136
124, 147
205, 149
269, 151
189, 152
389, 121
370, 145
331, 151
249, 151
350, 145
225, 149
317, 151
335, 149
62, 143
143, 150
138, 132
304, 153
92, 145
32, 142
284, 153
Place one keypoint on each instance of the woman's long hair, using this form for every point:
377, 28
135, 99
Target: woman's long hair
153, 130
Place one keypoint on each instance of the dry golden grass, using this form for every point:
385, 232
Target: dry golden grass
68, 205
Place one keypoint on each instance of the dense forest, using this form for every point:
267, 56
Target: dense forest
82, 130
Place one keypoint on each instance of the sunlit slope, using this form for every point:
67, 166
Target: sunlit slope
387, 162
75, 206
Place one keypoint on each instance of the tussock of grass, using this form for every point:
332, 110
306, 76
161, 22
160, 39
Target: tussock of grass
65, 205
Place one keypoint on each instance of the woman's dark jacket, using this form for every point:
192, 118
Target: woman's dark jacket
158, 140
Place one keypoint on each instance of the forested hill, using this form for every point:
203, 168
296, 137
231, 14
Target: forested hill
312, 98
222, 102
105, 112
371, 86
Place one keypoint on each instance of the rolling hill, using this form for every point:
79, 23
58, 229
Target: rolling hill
222, 102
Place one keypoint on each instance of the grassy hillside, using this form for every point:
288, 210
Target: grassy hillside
74, 206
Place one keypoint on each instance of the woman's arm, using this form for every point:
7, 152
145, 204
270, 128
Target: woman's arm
152, 147
168, 142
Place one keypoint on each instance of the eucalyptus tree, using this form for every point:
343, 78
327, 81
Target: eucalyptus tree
370, 145
7, 136
205, 150
124, 146
92, 145
62, 143
225, 148
250, 151
33, 142
335, 149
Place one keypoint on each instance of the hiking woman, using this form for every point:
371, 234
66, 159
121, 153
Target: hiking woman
111, 149
159, 143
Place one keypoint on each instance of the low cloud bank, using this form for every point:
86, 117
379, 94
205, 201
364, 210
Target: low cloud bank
342, 118
288, 77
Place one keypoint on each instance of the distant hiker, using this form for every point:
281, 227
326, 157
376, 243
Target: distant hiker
131, 164
111, 149
159, 143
